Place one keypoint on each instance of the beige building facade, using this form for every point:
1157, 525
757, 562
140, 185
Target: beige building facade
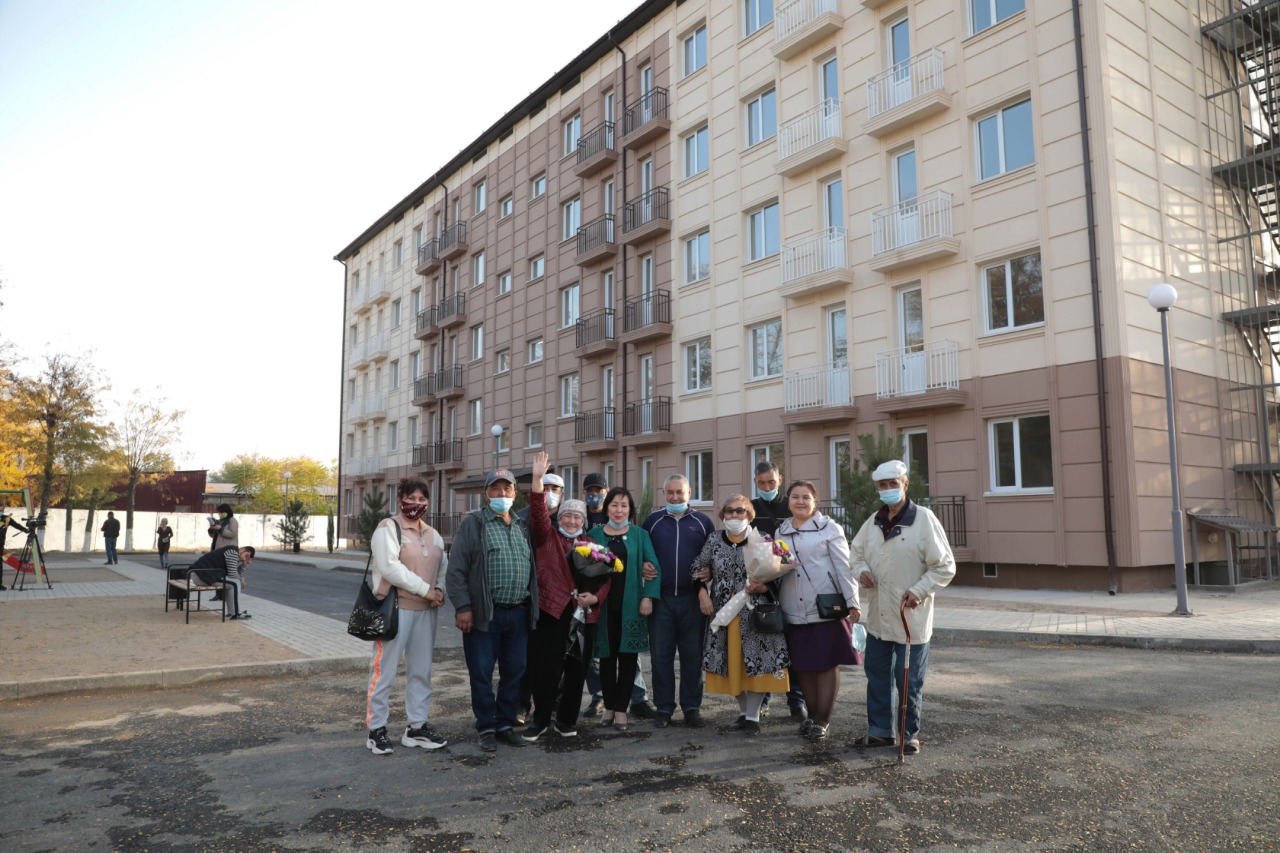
734, 230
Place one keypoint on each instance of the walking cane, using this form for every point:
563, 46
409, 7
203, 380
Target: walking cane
902, 697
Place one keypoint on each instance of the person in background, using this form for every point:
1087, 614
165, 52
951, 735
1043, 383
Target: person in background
110, 534
594, 488
226, 529
770, 507
901, 558
164, 535
226, 566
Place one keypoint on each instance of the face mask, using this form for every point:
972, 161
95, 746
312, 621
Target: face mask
501, 505
567, 534
735, 525
676, 509
891, 497
222, 515
594, 502
413, 512
770, 495
553, 501
618, 525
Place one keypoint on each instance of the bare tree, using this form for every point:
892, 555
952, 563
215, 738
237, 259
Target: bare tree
143, 438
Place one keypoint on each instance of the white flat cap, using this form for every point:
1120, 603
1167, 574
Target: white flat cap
891, 470
553, 480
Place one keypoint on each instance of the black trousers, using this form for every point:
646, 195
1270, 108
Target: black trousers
618, 671
549, 666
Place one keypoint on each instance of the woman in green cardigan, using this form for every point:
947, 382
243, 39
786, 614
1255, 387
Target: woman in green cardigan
623, 630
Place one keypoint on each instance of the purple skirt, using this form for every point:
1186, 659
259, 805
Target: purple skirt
819, 646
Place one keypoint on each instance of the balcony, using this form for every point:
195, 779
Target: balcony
366, 466
596, 241
928, 378
811, 138
801, 23
360, 303
448, 382
355, 411
452, 311
646, 317
453, 241
428, 257
439, 455
819, 395
375, 407
913, 232
375, 347
645, 119
359, 356
378, 290
905, 93
596, 333
648, 422
595, 431
422, 391
425, 323
647, 216
815, 264
597, 150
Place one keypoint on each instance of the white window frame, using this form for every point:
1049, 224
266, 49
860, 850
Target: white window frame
1007, 267
397, 252
393, 436
1000, 117
477, 269
697, 257
397, 312
395, 374
415, 365
538, 186
992, 453
570, 305
754, 119
754, 12
534, 351
417, 301
571, 218
697, 151
694, 382
693, 470
504, 361
571, 132
475, 415
761, 332
693, 50
537, 267
480, 199
992, 7
417, 239
506, 206
477, 342
533, 435
505, 282
570, 475
504, 442
759, 245
570, 395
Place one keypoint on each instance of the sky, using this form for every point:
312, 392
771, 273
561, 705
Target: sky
176, 177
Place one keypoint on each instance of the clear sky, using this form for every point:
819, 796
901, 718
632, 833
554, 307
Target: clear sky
176, 177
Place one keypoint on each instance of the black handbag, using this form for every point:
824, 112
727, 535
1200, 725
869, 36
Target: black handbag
831, 605
372, 619
766, 617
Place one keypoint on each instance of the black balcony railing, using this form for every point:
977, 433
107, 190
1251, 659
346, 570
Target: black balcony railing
429, 251
594, 426
596, 233
452, 236
649, 106
647, 417
438, 452
646, 310
444, 523
426, 320
595, 327
949, 510
600, 138
446, 379
422, 387
651, 206
451, 306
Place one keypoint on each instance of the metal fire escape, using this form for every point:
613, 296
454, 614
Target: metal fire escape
1242, 89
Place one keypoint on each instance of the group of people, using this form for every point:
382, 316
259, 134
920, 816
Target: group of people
542, 596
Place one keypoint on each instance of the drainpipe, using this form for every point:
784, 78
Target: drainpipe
444, 279
342, 386
617, 230
1095, 292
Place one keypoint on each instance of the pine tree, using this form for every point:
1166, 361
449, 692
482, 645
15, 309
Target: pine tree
371, 515
295, 527
858, 497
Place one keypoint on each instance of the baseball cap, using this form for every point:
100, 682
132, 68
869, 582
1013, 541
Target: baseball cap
499, 474
594, 481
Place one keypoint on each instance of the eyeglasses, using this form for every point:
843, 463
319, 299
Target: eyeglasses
736, 510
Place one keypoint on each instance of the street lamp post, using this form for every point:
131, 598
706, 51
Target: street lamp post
1163, 297
287, 476
496, 431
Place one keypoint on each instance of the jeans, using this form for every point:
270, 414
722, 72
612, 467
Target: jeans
112, 557
677, 625
506, 644
883, 658
639, 690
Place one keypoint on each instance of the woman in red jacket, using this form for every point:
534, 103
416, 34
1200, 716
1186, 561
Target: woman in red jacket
559, 596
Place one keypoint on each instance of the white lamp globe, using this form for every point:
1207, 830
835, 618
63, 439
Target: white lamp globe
1163, 296
496, 430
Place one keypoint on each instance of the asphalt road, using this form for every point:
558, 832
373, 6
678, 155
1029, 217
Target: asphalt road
1025, 748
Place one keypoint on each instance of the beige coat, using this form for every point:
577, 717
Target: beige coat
917, 559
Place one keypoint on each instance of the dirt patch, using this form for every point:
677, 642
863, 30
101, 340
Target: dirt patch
54, 638
78, 575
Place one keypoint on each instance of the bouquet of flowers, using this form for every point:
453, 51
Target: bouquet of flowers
592, 564
766, 560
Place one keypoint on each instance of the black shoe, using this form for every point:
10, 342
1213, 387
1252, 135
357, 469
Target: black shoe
532, 733
817, 733
509, 737
693, 719
378, 743
643, 710
799, 713
751, 728
487, 743
740, 723
805, 727
422, 736
565, 730
593, 709
661, 720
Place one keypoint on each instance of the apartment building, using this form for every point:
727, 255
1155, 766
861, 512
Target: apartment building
734, 230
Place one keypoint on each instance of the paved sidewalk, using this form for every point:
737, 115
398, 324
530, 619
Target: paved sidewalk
1245, 621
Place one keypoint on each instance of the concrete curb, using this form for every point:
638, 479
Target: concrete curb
165, 679
1179, 644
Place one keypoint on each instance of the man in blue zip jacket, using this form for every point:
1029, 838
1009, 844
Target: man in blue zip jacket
677, 624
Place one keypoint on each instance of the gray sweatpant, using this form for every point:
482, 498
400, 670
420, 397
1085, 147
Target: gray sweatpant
415, 641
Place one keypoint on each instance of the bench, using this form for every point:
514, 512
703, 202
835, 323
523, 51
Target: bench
182, 584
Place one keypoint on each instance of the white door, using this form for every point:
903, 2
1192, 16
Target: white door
839, 386
906, 220
646, 393
833, 251
829, 89
915, 373
646, 291
646, 96
899, 53
646, 186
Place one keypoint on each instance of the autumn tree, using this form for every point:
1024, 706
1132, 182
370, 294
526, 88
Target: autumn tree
260, 481
143, 438
86, 468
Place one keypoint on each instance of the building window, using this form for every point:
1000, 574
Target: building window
417, 238
417, 301
504, 282
758, 14
765, 344
351, 444
697, 467
1021, 454
533, 352
477, 270
762, 117
412, 436
1014, 293
569, 395
504, 441
504, 360
987, 13
697, 257
570, 298
695, 50
481, 197
477, 342
537, 267
570, 475
571, 218
572, 133
774, 453
646, 476
1005, 141
397, 253
534, 438
395, 374
393, 436
697, 365
538, 186
765, 240
476, 412
415, 365
506, 207
396, 312
696, 152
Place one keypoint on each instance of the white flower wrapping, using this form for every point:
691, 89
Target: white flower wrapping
731, 609
763, 565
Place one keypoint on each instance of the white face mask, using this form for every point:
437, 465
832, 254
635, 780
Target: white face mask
553, 501
736, 525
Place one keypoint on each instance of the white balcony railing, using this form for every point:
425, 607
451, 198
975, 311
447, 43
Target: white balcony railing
924, 217
375, 404
811, 127
909, 79
377, 287
818, 387
375, 345
904, 372
364, 465
796, 15
820, 253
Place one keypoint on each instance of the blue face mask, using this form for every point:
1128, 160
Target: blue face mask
677, 509
567, 534
501, 505
770, 495
891, 497
618, 525
594, 502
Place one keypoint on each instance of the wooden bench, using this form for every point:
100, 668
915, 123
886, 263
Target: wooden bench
186, 585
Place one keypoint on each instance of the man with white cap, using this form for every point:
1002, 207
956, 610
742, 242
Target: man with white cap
901, 557
553, 488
